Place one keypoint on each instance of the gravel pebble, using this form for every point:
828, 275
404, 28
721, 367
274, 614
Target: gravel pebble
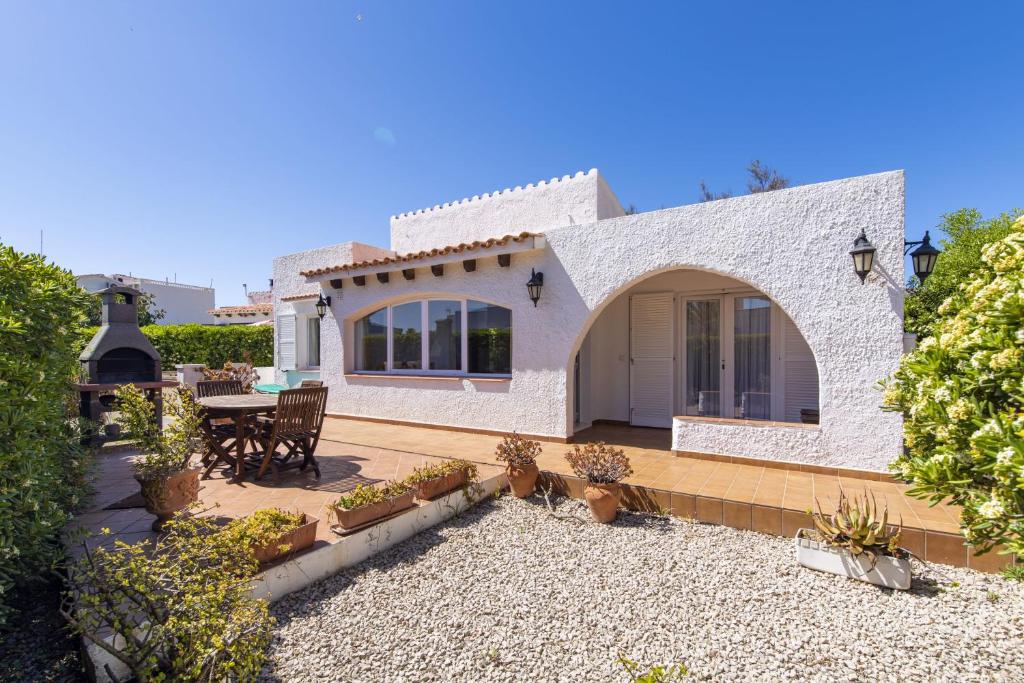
509, 592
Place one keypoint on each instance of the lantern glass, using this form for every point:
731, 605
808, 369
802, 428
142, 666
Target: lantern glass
863, 256
924, 258
321, 306
534, 286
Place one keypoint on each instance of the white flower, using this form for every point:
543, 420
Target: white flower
991, 509
1005, 456
1020, 335
942, 395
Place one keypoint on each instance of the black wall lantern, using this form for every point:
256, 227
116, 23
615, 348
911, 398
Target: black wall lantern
322, 305
863, 256
534, 286
924, 257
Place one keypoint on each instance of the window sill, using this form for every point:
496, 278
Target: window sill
434, 378
744, 423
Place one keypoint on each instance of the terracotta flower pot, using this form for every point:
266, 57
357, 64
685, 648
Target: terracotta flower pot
166, 495
295, 540
356, 517
603, 500
432, 488
522, 480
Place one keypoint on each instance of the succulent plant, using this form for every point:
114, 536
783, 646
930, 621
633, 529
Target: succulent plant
856, 526
517, 451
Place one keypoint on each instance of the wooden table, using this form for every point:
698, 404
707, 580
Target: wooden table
239, 408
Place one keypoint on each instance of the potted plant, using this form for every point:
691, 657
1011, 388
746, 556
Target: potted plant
520, 458
857, 543
437, 479
365, 504
272, 533
168, 483
602, 467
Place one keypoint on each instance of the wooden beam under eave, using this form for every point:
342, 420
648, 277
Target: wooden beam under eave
504, 260
383, 278
336, 283
437, 269
409, 273
359, 280
469, 265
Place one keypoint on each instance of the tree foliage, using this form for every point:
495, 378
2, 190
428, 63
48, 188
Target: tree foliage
961, 393
149, 314
760, 178
967, 235
41, 464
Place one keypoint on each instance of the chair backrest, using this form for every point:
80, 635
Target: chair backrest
300, 412
227, 387
307, 383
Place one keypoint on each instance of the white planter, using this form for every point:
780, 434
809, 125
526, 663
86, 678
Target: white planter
890, 572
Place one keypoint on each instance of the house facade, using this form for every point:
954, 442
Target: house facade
180, 302
739, 324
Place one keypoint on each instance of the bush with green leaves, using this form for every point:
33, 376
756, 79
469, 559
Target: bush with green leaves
967, 234
363, 495
961, 393
165, 451
41, 463
211, 345
178, 607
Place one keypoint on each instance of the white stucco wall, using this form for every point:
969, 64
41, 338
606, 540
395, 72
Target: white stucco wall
570, 200
181, 303
791, 244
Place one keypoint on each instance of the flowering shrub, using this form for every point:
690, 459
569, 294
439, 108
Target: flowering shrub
243, 372
599, 463
517, 451
41, 462
179, 606
164, 452
962, 396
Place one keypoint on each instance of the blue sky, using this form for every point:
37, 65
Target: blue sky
199, 140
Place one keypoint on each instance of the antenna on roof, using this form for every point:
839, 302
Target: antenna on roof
245, 289
40, 242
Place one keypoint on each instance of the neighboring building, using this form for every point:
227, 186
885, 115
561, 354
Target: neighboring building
181, 303
260, 309
735, 323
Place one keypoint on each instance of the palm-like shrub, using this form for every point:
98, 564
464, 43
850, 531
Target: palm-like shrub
962, 396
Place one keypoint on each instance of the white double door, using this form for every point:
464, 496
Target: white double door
715, 362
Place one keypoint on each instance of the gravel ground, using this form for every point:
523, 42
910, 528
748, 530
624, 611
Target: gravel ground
37, 645
509, 592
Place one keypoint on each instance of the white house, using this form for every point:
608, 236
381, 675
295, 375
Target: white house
734, 323
181, 303
258, 310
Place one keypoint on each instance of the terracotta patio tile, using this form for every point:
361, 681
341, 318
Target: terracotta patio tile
694, 480
719, 481
945, 549
914, 541
771, 488
736, 515
684, 505
767, 520
793, 521
744, 484
799, 491
991, 562
709, 510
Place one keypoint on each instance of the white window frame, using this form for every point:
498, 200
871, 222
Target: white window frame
425, 370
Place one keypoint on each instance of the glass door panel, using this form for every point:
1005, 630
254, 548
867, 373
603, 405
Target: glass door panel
752, 358
407, 336
703, 358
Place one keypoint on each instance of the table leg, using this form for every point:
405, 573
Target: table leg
240, 445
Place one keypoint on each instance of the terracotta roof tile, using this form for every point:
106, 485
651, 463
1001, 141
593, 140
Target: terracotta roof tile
441, 251
251, 309
300, 297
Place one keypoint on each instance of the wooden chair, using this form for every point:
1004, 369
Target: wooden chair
307, 383
296, 426
222, 429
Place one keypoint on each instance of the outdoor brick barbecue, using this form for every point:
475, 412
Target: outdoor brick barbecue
118, 354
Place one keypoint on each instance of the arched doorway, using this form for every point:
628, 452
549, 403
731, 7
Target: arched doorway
693, 344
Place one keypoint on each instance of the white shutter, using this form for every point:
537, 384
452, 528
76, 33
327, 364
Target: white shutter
801, 384
285, 342
652, 362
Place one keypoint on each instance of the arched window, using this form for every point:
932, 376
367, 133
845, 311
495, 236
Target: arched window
435, 336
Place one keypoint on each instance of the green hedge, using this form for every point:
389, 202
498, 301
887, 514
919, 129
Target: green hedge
211, 345
42, 310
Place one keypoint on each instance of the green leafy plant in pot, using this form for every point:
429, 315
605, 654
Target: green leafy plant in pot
520, 458
602, 467
168, 483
